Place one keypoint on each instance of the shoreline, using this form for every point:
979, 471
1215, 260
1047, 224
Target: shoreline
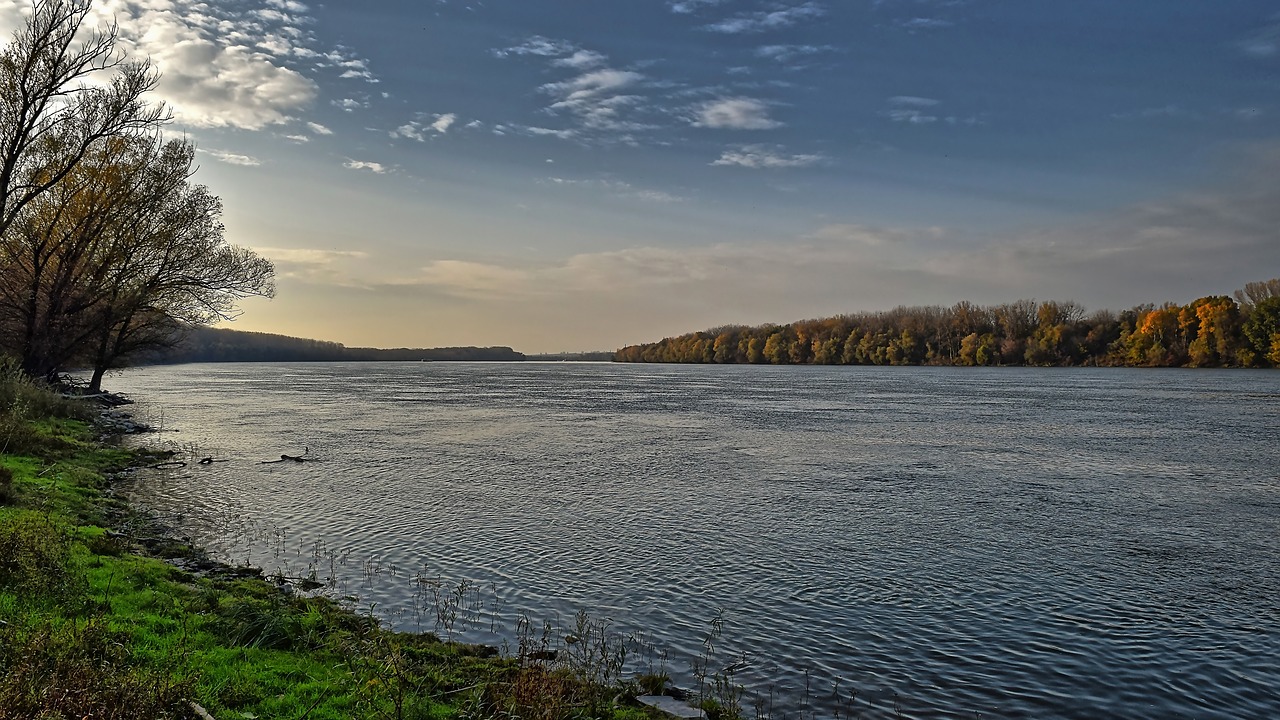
229, 629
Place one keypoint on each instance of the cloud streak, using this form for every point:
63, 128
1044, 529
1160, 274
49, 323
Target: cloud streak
758, 157
231, 158
766, 20
734, 113
373, 167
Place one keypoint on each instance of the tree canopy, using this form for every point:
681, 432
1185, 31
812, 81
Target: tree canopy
1215, 331
107, 247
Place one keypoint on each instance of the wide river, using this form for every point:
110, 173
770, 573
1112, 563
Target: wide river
1002, 543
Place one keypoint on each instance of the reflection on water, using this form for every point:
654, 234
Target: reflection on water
1015, 543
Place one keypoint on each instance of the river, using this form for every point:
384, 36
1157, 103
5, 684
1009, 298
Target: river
997, 542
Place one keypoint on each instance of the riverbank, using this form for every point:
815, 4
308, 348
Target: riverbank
103, 613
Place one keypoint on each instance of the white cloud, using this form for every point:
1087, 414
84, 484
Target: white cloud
221, 64
618, 188
319, 129
925, 23
309, 256
349, 104
373, 167
736, 113
787, 53
581, 60
756, 22
442, 122
565, 134
298, 138
417, 130
592, 84
539, 46
912, 101
910, 109
686, 7
596, 99
763, 157
233, 158
912, 117
409, 131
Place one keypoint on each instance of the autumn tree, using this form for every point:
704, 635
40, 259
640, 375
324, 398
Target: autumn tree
1262, 330
169, 267
106, 246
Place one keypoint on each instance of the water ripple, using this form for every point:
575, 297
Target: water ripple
1022, 544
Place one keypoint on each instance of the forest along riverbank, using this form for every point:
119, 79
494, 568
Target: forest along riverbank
105, 605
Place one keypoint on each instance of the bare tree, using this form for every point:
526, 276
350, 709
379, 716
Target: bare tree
1254, 293
50, 116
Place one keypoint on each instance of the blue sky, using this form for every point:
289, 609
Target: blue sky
584, 174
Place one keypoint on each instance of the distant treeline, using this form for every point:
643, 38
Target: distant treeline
1215, 331
203, 344
595, 356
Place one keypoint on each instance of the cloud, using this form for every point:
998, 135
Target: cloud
601, 100
1198, 242
417, 130
565, 134
910, 109
597, 99
912, 101
238, 65
232, 158
409, 131
328, 267
1263, 44
764, 157
349, 104
581, 60
736, 113
442, 122
617, 188
373, 167
538, 46
762, 21
319, 129
1191, 245
309, 256
924, 23
471, 279
787, 53
686, 7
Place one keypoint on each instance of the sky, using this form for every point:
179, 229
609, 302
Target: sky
571, 175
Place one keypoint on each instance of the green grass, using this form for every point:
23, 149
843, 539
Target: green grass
92, 624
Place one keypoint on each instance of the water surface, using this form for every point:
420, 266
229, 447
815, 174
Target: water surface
1011, 542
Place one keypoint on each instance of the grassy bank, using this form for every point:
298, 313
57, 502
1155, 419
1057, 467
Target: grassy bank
95, 623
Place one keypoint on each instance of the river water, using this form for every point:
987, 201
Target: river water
1002, 543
